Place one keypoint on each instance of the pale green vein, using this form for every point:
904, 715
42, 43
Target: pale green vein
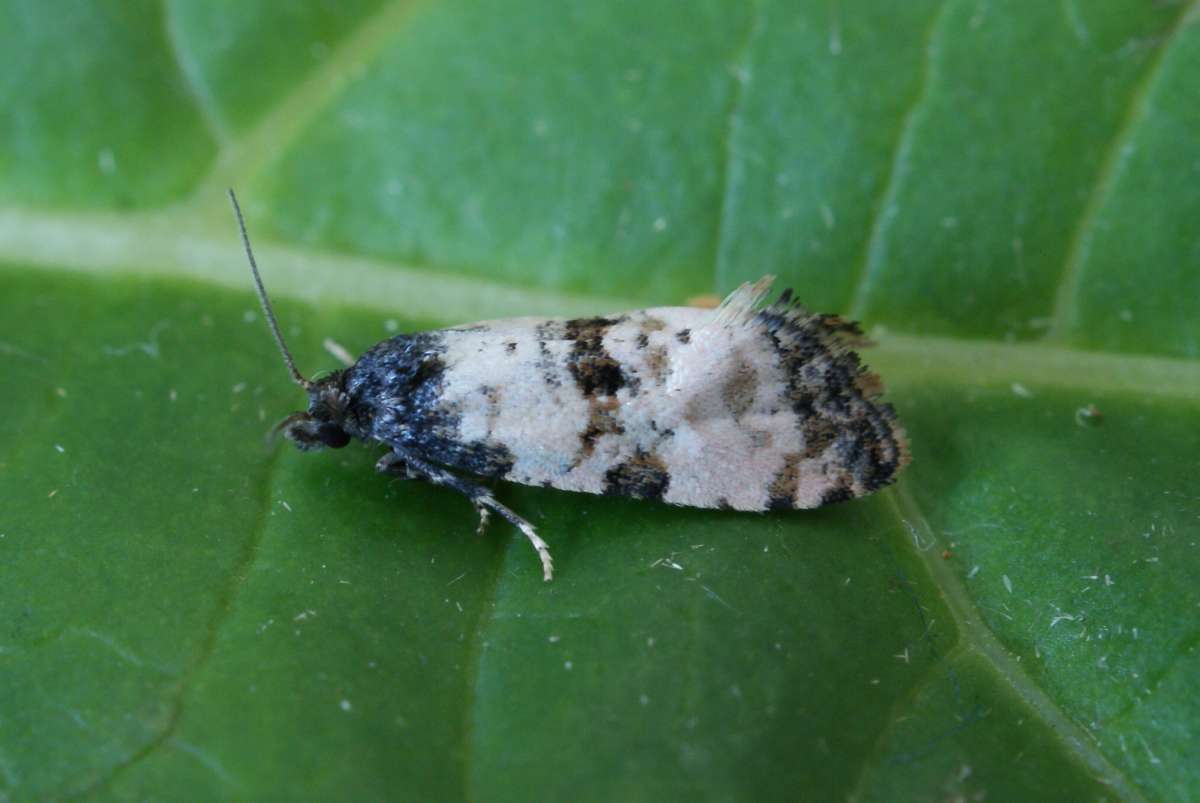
913, 359
1111, 168
194, 79
164, 247
245, 158
896, 715
975, 634
172, 245
474, 661
884, 209
741, 80
225, 604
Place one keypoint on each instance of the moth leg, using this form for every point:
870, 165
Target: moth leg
415, 467
483, 518
392, 463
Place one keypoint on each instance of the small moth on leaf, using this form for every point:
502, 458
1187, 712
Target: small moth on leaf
749, 406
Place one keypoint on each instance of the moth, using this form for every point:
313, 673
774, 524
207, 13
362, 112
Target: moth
750, 406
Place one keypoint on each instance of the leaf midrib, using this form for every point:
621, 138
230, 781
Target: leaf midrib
166, 246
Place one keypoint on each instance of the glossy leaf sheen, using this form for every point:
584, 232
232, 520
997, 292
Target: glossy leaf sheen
1005, 193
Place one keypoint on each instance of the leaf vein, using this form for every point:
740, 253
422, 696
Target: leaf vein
246, 157
976, 634
193, 77
1111, 166
741, 80
881, 211
224, 612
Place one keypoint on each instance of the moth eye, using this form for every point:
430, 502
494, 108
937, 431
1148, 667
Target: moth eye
333, 436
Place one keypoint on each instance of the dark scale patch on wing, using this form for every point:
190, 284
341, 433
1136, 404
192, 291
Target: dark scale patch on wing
684, 336
838, 493
601, 421
782, 493
485, 458
834, 398
546, 332
739, 388
510, 347
396, 389
643, 476
658, 361
596, 372
598, 375
643, 340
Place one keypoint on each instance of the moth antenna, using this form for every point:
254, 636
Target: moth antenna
266, 302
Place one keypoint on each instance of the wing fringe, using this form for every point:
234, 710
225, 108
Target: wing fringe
788, 320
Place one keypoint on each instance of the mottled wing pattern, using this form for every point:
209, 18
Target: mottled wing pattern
741, 407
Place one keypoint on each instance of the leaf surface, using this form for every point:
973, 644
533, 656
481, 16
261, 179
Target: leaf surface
1006, 195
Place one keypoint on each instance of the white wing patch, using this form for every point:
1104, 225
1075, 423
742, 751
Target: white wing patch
746, 406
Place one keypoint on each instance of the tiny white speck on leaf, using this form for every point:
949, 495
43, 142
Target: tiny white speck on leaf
644, 700
249, 316
553, 639
106, 160
239, 387
567, 665
345, 705
974, 571
1062, 617
1007, 583
1020, 390
660, 224
173, 395
59, 448
286, 506
391, 325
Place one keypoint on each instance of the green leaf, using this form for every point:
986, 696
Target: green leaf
1006, 194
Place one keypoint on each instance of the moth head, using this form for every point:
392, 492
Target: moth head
322, 424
